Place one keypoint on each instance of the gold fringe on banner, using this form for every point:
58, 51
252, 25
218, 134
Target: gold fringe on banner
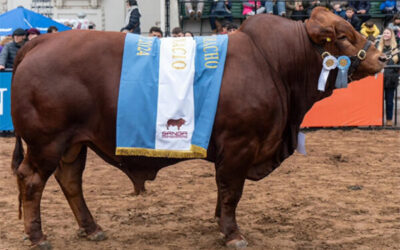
194, 152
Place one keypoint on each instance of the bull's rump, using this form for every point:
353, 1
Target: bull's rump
61, 82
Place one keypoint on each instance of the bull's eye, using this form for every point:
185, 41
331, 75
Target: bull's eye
341, 37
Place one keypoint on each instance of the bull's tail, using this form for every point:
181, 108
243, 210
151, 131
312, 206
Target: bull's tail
18, 154
17, 158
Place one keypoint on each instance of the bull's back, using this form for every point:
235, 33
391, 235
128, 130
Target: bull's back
67, 82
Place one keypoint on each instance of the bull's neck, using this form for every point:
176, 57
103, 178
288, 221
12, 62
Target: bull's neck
300, 72
307, 65
293, 61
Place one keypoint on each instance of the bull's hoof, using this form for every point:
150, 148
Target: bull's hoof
44, 245
237, 244
97, 236
137, 193
81, 233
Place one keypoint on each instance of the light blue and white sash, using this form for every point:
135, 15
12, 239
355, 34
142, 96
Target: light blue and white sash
168, 95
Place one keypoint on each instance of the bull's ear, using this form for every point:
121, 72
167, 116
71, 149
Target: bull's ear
319, 33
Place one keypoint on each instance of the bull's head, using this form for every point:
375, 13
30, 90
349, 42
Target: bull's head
336, 36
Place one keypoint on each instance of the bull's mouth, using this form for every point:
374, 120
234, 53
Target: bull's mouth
370, 71
358, 76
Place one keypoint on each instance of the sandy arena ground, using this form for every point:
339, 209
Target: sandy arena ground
345, 194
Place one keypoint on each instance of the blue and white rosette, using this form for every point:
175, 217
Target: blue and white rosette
342, 77
329, 63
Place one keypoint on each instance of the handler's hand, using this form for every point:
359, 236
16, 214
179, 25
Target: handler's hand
2, 67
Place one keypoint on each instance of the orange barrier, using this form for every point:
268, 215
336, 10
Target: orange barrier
358, 105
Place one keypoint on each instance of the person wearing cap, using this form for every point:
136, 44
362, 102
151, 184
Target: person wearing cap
132, 21
10, 50
52, 29
32, 33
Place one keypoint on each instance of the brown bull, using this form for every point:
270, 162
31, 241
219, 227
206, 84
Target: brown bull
175, 122
64, 99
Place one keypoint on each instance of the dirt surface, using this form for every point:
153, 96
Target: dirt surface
345, 194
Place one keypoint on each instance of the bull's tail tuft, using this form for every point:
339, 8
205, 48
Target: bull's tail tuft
17, 158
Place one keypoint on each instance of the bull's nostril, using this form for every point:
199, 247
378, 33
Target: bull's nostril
382, 59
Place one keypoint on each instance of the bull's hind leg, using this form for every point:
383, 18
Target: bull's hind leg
69, 176
32, 176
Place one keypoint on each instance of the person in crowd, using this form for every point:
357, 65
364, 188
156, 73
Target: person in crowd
337, 8
296, 10
231, 28
352, 18
156, 31
250, 6
387, 44
389, 9
52, 29
4, 41
313, 4
190, 9
280, 7
361, 9
343, 4
395, 26
91, 26
219, 9
369, 28
32, 33
177, 32
224, 28
10, 50
132, 21
188, 34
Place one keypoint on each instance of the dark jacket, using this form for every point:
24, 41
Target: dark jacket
355, 22
134, 22
390, 75
360, 5
8, 54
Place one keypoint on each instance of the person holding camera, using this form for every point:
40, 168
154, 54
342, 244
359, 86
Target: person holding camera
388, 45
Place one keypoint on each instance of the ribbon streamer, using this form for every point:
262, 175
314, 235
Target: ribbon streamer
301, 143
329, 63
342, 77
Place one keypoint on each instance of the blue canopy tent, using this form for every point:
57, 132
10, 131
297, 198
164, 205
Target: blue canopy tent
26, 19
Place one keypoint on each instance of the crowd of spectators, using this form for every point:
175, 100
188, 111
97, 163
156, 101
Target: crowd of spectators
9, 46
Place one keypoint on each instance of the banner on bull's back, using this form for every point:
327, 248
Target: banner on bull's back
168, 95
5, 102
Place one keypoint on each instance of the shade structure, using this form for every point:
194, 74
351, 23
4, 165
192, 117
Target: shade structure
26, 19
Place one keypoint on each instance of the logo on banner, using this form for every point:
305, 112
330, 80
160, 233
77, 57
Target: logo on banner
2, 101
178, 123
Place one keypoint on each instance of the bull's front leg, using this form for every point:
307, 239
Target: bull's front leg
230, 187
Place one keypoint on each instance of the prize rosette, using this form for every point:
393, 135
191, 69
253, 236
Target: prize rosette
329, 63
344, 63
